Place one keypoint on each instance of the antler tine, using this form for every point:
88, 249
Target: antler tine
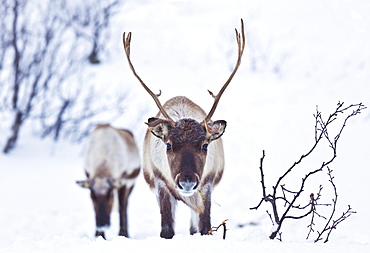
241, 45
126, 46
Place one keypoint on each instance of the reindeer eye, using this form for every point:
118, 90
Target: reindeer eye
168, 146
205, 147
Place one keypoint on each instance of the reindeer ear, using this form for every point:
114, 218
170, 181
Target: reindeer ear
216, 129
84, 183
159, 127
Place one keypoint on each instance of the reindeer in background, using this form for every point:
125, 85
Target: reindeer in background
112, 162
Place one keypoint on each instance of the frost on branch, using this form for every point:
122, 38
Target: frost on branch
284, 201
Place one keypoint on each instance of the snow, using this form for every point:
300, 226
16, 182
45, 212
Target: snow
306, 53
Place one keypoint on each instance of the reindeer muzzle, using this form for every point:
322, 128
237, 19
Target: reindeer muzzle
187, 184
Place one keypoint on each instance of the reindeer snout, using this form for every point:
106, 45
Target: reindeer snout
187, 184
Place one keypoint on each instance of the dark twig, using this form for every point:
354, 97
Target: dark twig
329, 228
321, 132
313, 203
214, 229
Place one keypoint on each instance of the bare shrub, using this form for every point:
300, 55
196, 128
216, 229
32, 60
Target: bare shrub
284, 200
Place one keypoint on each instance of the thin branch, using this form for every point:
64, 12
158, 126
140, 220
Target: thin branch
327, 227
321, 132
215, 229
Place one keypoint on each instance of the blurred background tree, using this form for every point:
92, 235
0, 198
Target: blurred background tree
44, 47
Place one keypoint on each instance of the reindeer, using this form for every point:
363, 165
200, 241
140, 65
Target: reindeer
112, 162
183, 157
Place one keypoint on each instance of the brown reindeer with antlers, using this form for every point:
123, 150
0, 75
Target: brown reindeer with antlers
183, 153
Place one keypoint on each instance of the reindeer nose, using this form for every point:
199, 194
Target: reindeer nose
187, 185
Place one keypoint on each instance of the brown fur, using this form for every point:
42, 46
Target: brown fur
183, 169
175, 163
112, 162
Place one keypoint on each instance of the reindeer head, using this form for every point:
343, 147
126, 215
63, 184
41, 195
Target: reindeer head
187, 140
101, 192
186, 145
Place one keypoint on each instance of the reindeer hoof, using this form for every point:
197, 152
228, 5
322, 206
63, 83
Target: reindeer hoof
123, 233
167, 233
99, 233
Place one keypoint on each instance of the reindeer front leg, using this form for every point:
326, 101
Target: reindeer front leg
201, 222
167, 205
123, 194
205, 217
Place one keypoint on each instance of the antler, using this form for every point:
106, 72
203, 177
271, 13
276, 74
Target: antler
241, 44
126, 46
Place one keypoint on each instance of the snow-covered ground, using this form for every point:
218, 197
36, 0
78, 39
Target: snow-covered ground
300, 54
